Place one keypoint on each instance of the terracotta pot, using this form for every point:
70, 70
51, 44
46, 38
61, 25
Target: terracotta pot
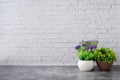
104, 66
86, 65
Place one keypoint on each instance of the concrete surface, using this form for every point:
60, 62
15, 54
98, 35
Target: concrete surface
56, 73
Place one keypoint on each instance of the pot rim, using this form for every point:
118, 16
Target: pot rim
86, 60
104, 62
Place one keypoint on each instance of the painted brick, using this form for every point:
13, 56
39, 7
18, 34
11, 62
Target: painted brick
44, 32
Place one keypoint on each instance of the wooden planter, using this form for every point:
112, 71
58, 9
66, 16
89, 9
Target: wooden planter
104, 66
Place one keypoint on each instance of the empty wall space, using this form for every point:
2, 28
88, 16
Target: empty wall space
44, 32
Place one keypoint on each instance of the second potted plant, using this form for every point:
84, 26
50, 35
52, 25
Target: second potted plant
104, 58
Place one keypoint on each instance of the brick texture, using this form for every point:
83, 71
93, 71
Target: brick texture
44, 32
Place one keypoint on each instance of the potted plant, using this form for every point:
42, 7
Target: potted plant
85, 53
104, 58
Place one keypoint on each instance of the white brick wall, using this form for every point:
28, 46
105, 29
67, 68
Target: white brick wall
44, 32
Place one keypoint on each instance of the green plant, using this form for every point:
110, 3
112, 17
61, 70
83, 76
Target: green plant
86, 50
105, 54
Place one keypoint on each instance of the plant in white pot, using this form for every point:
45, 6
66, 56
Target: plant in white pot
85, 53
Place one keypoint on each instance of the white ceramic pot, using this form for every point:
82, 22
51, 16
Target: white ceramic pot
85, 65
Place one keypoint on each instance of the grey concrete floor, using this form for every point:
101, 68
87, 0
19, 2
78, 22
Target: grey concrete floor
56, 73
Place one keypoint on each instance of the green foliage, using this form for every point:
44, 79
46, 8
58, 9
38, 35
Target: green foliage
86, 50
105, 54
85, 55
